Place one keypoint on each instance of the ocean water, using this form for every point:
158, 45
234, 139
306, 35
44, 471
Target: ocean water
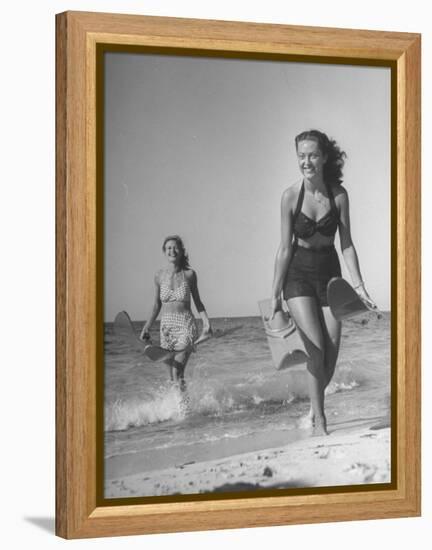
236, 400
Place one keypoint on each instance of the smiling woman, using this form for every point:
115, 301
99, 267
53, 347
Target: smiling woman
312, 211
174, 287
311, 158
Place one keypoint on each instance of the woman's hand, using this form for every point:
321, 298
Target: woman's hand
207, 330
206, 326
362, 292
206, 333
275, 306
145, 335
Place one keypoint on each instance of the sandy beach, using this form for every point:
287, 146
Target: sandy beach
241, 428
348, 456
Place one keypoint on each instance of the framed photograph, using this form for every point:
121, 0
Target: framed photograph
238, 274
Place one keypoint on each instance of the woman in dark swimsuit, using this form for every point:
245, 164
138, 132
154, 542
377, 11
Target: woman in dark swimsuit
311, 212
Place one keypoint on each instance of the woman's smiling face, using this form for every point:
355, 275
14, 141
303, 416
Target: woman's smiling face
310, 158
173, 252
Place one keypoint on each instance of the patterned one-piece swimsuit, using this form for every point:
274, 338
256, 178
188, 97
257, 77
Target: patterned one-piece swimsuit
178, 330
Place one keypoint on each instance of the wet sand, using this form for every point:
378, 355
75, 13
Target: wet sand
351, 454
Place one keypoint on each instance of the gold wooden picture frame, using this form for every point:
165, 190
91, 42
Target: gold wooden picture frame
82, 39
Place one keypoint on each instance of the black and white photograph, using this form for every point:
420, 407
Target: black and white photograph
247, 275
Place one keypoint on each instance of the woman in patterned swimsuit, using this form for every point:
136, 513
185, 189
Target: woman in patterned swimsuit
174, 287
311, 212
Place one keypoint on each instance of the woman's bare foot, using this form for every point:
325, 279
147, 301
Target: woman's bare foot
320, 426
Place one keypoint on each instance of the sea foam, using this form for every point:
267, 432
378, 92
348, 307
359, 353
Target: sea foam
122, 414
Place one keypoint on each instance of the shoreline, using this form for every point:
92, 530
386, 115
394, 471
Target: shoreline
108, 323
349, 455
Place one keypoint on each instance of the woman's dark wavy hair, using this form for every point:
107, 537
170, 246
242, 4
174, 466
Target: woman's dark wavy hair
335, 157
184, 260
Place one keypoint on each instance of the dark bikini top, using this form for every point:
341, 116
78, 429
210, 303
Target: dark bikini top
304, 227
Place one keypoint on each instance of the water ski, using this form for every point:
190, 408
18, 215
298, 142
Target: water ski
285, 344
344, 301
124, 330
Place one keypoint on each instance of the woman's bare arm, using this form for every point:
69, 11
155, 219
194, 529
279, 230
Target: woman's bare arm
193, 282
284, 253
154, 312
347, 246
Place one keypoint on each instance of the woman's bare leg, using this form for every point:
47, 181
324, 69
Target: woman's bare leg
176, 367
307, 317
170, 364
332, 335
179, 365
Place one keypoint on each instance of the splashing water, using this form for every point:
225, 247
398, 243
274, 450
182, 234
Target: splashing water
122, 414
233, 390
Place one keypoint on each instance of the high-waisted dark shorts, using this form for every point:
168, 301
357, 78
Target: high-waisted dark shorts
309, 272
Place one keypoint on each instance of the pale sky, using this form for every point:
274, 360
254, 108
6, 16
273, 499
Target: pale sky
204, 148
